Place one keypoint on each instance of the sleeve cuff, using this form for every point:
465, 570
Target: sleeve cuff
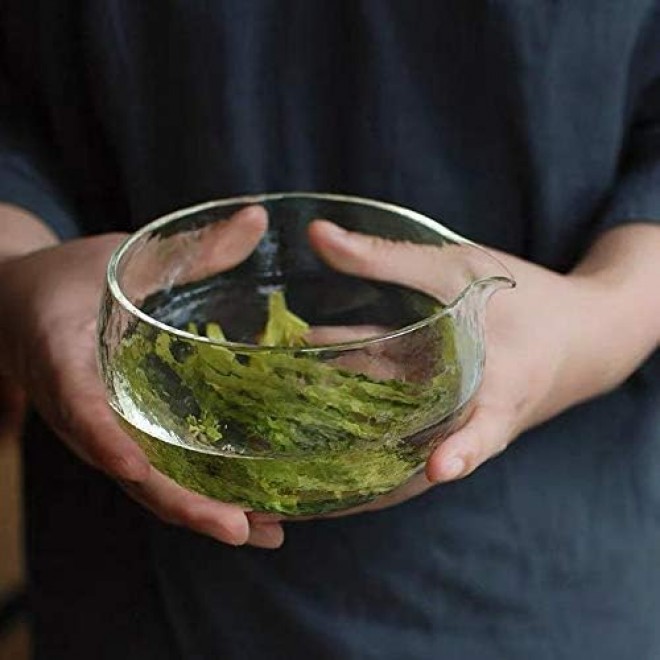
22, 185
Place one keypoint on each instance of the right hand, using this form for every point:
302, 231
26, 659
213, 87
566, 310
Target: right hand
49, 301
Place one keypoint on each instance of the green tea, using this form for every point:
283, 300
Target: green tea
278, 430
294, 485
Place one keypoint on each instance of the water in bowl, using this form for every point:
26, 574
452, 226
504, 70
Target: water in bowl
294, 434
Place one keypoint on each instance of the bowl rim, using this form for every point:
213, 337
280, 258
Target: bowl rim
112, 281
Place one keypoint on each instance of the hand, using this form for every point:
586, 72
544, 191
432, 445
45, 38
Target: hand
50, 300
545, 341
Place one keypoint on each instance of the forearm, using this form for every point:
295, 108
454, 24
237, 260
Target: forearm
625, 262
22, 232
612, 315
620, 276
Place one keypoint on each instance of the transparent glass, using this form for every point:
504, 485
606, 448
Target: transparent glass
387, 368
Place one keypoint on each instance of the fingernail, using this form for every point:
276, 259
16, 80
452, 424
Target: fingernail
268, 537
452, 468
335, 232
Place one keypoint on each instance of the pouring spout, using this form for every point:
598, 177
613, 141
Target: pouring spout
468, 270
489, 285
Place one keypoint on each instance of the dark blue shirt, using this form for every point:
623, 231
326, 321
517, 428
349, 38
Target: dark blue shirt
529, 126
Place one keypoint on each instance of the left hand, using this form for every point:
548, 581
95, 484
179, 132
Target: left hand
551, 343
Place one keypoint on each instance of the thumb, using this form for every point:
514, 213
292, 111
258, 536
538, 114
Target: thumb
441, 268
488, 432
364, 255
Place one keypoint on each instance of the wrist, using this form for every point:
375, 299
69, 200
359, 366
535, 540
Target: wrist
618, 323
595, 362
22, 232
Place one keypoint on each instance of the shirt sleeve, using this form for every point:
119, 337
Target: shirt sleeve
636, 193
28, 171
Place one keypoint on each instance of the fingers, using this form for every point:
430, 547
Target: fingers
226, 523
371, 361
94, 435
488, 432
177, 506
67, 391
333, 334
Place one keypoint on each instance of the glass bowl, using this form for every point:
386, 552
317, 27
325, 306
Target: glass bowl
262, 356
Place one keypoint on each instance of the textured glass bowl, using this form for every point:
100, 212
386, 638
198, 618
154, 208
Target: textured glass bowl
392, 359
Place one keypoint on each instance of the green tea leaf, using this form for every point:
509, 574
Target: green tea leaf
284, 328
